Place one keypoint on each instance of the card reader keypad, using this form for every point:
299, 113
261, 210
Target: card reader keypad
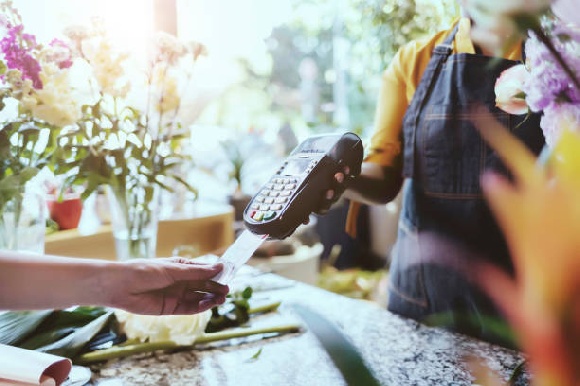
273, 197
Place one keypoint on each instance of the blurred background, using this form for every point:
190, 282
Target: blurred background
275, 73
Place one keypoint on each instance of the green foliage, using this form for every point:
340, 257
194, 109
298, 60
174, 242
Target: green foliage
26, 146
15, 326
60, 332
372, 31
234, 312
112, 145
236, 158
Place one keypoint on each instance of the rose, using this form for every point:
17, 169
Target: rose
509, 95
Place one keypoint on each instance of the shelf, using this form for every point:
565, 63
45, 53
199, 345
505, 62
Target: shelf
208, 230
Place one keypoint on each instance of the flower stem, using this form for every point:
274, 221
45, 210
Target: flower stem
264, 308
122, 351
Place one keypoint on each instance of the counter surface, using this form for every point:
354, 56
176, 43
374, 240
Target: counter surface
399, 351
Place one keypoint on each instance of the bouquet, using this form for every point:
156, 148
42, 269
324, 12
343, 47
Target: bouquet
548, 82
539, 210
37, 99
131, 133
130, 137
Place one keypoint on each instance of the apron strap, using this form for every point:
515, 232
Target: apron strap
438, 57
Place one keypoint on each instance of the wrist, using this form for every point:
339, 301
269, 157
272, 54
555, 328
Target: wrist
97, 277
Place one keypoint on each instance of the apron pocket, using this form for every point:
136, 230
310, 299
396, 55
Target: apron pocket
451, 153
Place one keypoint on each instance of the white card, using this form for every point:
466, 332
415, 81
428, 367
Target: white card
238, 254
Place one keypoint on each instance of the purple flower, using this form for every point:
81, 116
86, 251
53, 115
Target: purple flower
17, 49
61, 54
548, 82
556, 117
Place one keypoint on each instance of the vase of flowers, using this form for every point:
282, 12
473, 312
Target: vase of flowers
36, 101
130, 137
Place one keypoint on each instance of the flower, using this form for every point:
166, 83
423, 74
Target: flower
539, 213
508, 90
549, 82
539, 210
36, 97
131, 131
180, 329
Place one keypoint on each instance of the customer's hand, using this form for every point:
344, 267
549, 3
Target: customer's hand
169, 286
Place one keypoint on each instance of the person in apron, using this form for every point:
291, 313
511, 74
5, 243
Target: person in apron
445, 226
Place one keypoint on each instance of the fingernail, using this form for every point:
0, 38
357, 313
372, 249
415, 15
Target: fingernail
329, 194
340, 178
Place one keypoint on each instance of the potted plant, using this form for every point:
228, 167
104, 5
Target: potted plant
236, 151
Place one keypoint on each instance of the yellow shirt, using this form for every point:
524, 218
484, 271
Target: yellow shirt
399, 83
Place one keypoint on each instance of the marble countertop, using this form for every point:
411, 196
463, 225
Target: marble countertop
399, 351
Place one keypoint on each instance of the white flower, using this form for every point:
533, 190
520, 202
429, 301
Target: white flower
169, 48
108, 66
181, 329
509, 95
76, 32
56, 102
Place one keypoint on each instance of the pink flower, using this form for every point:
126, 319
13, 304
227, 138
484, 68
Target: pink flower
508, 90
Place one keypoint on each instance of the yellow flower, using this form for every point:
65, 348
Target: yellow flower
108, 66
540, 215
56, 102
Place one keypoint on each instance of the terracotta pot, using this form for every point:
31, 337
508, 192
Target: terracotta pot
66, 213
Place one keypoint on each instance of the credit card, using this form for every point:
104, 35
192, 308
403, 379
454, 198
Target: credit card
238, 254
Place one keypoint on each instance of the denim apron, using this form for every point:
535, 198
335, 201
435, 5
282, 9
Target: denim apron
445, 224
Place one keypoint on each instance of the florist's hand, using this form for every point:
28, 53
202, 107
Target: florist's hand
169, 286
332, 195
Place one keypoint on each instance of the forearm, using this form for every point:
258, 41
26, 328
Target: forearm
29, 281
375, 185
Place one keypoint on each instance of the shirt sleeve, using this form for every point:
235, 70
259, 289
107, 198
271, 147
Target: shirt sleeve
398, 84
385, 144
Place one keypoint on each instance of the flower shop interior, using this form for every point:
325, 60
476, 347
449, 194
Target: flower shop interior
220, 129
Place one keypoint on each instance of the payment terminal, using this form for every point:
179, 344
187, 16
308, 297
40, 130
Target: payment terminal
297, 188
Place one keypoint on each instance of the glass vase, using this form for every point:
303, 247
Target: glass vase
22, 219
134, 219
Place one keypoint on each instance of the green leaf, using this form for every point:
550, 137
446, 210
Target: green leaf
257, 354
15, 326
66, 332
